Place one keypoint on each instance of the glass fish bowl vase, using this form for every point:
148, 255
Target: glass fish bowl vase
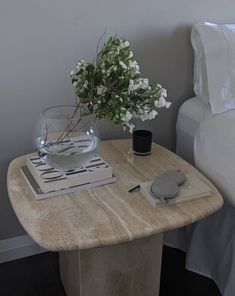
65, 139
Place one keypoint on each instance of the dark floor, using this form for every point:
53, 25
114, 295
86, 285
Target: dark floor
32, 276
177, 281
39, 276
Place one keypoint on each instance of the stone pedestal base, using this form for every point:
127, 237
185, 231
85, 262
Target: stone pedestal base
128, 269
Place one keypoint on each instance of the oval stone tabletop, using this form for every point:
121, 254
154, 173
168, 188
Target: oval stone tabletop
108, 214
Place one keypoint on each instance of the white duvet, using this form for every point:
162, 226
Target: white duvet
214, 150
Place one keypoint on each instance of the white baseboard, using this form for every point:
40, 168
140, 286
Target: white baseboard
18, 247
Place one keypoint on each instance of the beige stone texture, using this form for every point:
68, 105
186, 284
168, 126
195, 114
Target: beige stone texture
127, 269
107, 215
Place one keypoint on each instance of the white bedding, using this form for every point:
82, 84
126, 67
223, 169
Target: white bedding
210, 243
208, 141
189, 117
214, 151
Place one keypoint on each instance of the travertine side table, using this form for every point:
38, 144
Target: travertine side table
110, 241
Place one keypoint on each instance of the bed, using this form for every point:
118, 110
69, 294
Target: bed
210, 243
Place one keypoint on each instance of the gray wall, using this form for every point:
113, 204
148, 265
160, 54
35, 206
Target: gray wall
40, 41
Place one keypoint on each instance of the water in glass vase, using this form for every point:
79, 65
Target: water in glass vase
65, 138
70, 153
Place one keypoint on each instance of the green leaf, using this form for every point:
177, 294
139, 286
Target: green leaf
90, 68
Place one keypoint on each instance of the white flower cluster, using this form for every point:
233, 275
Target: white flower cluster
113, 89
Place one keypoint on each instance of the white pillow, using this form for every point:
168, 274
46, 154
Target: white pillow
214, 66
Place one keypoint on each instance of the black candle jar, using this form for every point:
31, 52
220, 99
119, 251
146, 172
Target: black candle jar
142, 142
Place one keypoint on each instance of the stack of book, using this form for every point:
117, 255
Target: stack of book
46, 181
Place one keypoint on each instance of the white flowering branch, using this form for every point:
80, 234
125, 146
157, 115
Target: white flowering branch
112, 88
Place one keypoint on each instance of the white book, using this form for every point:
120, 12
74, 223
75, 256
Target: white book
191, 189
51, 179
39, 194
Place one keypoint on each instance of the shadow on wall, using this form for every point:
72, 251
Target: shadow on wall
168, 59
